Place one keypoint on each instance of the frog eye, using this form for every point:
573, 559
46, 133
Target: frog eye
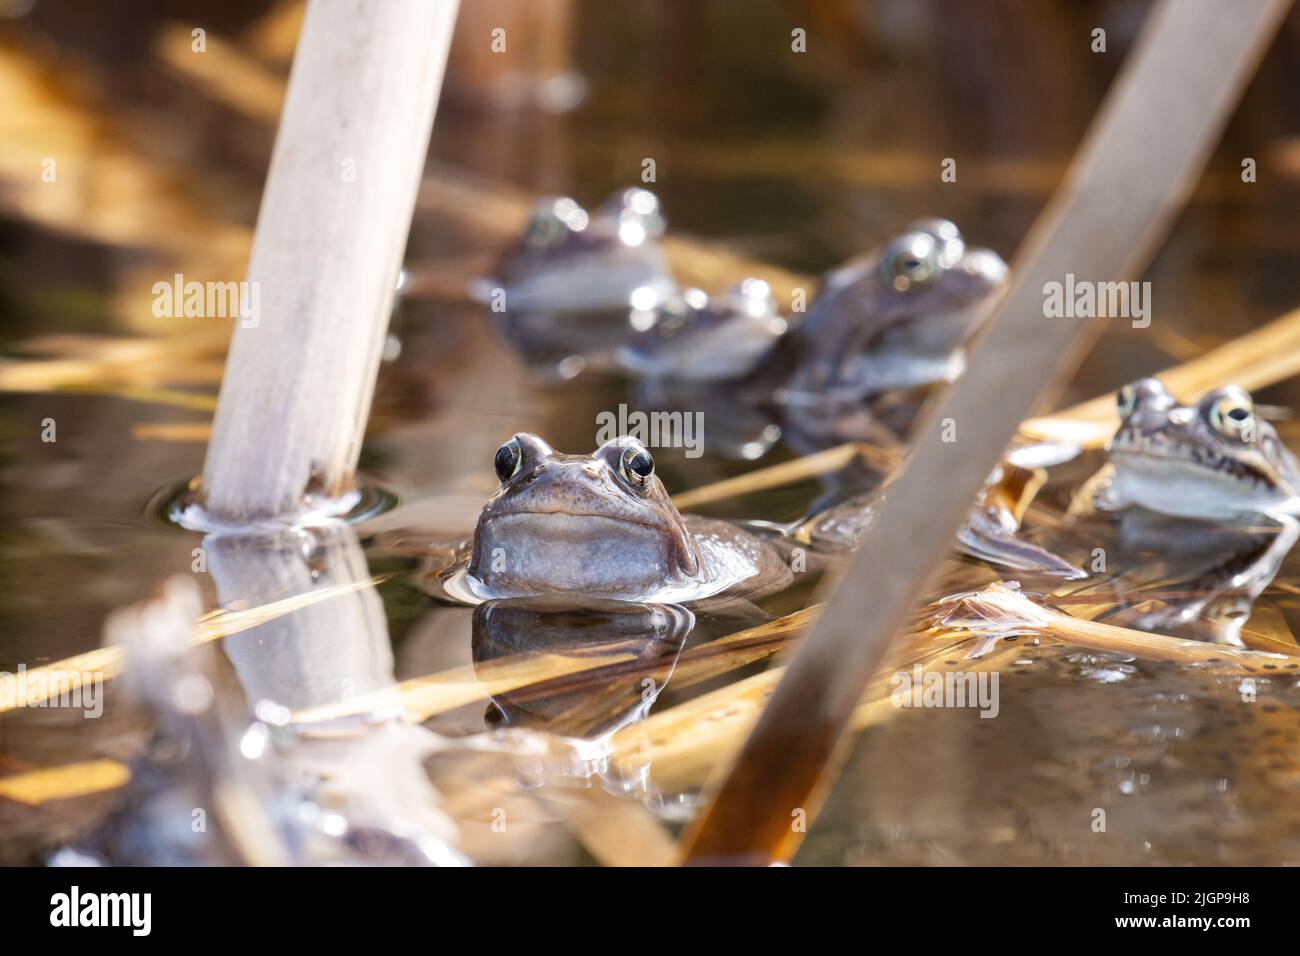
636, 465
910, 260
1146, 392
1126, 400
509, 459
553, 220
1232, 415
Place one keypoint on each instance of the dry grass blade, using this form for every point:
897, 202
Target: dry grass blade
1255, 360
687, 743
1001, 609
616, 831
105, 663
423, 697
34, 787
788, 472
228, 75
172, 431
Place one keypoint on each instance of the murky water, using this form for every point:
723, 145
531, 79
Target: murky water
798, 163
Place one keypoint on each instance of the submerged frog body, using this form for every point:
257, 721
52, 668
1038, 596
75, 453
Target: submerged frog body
698, 339
577, 285
603, 525
990, 532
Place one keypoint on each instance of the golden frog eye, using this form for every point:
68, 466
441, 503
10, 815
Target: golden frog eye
1232, 416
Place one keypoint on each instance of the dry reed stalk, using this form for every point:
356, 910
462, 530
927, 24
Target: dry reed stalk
616, 831
895, 169
329, 243
227, 74
172, 431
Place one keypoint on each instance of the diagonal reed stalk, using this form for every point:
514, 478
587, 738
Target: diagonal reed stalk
1137, 164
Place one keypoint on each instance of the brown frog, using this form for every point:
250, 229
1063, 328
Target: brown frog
602, 524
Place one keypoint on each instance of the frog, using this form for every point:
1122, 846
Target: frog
1211, 487
1212, 460
895, 318
603, 525
883, 329
696, 338
576, 284
990, 533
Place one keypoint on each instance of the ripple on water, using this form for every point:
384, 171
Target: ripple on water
177, 506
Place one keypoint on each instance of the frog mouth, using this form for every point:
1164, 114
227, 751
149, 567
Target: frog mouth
1159, 446
541, 550
563, 519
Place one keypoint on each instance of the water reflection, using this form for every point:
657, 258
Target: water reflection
622, 657
1199, 581
277, 792
201, 792
326, 650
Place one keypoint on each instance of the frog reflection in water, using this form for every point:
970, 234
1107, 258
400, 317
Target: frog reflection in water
602, 524
1216, 463
625, 652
